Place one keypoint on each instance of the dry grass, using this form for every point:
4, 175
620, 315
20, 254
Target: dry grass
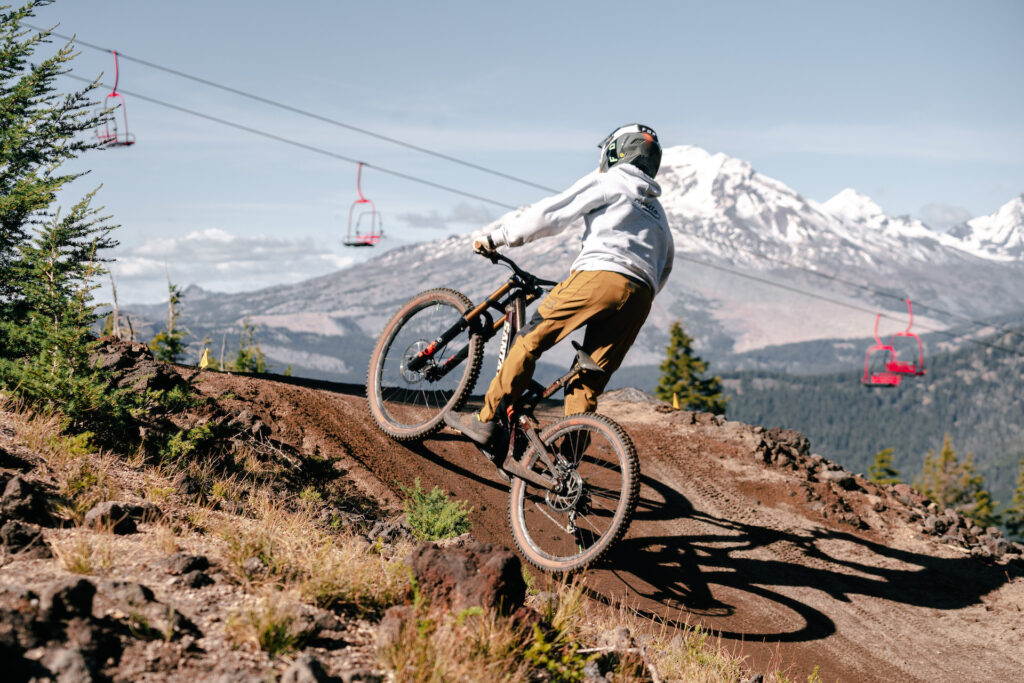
475, 646
324, 569
275, 624
82, 474
84, 552
472, 646
165, 536
667, 652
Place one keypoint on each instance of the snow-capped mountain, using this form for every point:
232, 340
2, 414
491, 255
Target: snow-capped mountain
999, 235
758, 265
855, 208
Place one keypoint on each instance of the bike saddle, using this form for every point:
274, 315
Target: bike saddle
584, 360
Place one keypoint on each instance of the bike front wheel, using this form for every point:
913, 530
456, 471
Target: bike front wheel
409, 404
565, 532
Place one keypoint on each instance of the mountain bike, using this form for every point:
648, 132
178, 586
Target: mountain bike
573, 484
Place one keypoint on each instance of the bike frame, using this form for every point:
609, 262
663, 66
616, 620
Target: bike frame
510, 300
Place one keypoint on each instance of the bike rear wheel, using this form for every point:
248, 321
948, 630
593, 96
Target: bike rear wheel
563, 533
411, 404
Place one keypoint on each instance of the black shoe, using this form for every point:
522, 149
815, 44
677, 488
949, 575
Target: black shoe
469, 425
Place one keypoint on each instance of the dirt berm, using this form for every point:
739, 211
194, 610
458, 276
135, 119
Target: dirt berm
792, 561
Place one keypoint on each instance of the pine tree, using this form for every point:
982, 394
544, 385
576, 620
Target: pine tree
57, 272
167, 345
882, 471
250, 357
41, 129
1013, 518
48, 262
682, 375
952, 484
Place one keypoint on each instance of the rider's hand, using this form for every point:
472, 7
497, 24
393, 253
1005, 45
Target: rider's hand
484, 245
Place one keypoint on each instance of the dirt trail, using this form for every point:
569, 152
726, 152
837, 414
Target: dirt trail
720, 539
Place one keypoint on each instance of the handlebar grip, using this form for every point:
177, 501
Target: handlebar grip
492, 256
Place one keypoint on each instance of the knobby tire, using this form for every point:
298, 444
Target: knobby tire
385, 356
619, 452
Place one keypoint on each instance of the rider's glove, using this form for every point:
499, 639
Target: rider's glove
484, 245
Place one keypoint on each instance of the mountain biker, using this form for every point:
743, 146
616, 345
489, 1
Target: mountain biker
625, 259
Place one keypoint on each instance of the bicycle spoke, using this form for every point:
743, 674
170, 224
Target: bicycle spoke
591, 507
410, 403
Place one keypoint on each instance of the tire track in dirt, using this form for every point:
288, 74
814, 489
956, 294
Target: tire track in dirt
718, 539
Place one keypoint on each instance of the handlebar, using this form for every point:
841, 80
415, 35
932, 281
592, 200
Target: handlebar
495, 257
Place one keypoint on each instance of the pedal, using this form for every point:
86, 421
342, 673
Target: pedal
497, 459
495, 450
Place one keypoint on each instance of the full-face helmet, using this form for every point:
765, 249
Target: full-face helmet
632, 144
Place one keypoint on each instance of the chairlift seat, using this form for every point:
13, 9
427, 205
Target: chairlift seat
109, 133
904, 367
884, 379
915, 367
354, 237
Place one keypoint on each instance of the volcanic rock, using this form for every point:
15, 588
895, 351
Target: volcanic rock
474, 575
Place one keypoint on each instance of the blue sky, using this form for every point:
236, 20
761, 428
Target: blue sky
916, 104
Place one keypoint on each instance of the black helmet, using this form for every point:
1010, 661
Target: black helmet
632, 144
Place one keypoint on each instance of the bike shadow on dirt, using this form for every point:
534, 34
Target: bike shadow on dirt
423, 450
724, 566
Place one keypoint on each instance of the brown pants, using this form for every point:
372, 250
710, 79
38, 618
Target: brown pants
613, 308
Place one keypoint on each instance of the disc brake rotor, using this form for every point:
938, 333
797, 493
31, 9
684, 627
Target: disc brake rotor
414, 349
567, 500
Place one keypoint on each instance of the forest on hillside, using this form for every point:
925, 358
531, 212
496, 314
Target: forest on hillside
974, 394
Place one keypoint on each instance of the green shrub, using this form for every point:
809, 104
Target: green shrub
561, 661
432, 516
186, 442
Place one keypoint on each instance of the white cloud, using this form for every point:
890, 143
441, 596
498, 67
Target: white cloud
942, 217
219, 260
460, 214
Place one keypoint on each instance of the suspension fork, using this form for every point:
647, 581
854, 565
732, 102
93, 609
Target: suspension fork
512, 322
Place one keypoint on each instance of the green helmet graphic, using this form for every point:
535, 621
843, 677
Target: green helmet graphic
632, 144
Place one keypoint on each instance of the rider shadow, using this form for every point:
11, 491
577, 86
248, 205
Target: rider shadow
718, 575
421, 450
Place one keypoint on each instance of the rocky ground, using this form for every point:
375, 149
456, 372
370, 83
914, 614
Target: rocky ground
224, 562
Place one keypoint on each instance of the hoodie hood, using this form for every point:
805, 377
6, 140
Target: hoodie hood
643, 184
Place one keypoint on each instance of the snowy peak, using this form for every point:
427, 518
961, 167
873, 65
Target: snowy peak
855, 207
717, 203
999, 235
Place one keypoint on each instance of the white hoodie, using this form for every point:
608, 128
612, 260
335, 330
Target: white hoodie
626, 231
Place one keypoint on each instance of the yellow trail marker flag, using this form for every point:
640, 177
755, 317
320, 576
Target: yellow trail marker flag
675, 401
204, 362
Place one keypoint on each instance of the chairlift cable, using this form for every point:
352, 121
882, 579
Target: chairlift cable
430, 183
484, 169
304, 112
873, 290
845, 304
303, 145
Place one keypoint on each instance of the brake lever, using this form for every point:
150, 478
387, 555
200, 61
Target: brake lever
488, 254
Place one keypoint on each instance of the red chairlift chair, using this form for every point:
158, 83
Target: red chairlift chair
883, 378
906, 367
354, 237
108, 132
